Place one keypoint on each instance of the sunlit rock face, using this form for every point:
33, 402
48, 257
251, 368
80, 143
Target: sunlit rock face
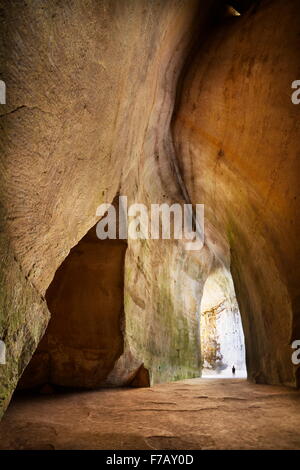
237, 139
222, 337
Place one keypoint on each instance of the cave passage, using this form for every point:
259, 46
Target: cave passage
84, 337
221, 330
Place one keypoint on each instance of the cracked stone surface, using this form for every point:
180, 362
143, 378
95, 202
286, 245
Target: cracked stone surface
190, 414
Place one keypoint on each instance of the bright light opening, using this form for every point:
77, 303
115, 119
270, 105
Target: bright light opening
221, 331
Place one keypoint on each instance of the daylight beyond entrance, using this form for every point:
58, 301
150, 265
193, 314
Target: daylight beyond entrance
221, 331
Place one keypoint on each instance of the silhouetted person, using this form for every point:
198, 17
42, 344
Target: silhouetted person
233, 370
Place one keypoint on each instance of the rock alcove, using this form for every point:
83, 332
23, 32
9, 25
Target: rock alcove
163, 101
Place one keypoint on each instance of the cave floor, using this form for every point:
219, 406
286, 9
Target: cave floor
189, 414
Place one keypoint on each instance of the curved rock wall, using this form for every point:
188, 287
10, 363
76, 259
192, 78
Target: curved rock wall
90, 93
237, 138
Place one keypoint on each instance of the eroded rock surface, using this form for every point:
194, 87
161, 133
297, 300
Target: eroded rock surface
237, 139
91, 89
90, 94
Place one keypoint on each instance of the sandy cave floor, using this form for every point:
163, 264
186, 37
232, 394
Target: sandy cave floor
189, 414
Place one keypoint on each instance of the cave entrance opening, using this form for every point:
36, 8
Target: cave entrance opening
221, 330
84, 337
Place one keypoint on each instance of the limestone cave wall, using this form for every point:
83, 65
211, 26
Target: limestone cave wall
237, 139
160, 101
